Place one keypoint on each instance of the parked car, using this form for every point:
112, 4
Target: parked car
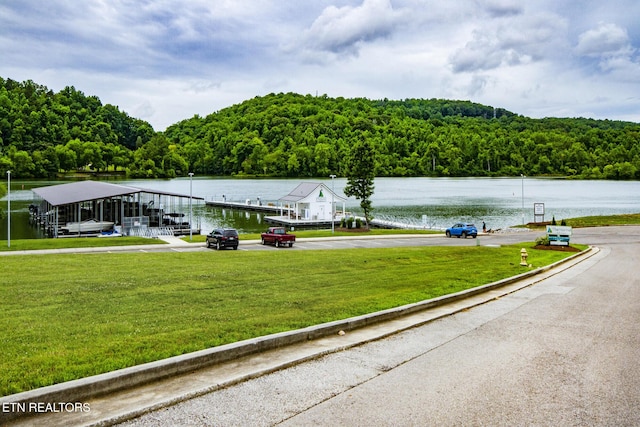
277, 236
462, 229
223, 238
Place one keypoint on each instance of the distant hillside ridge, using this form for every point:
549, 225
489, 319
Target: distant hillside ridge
45, 134
292, 135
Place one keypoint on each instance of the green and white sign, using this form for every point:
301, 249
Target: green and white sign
559, 235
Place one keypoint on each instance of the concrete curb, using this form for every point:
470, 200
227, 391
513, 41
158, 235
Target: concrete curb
85, 388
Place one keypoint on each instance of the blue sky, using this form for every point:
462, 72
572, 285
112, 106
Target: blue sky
165, 60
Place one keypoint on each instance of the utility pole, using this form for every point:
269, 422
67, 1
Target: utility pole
522, 177
190, 206
8, 209
333, 217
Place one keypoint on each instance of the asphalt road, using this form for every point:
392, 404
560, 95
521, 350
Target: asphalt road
379, 241
563, 352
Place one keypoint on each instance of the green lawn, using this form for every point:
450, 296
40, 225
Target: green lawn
74, 242
70, 316
599, 221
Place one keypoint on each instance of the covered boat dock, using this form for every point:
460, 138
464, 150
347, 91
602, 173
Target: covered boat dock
94, 208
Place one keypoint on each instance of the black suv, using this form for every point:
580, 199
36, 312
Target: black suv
223, 238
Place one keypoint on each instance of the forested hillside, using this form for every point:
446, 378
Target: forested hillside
289, 135
294, 135
43, 133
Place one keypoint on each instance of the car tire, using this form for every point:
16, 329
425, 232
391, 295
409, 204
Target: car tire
263, 242
291, 244
235, 248
464, 235
218, 246
277, 243
208, 244
448, 234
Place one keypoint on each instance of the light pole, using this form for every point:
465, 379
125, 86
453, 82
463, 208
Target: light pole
190, 205
333, 219
522, 178
8, 209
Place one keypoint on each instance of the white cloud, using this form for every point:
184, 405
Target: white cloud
166, 60
610, 46
606, 39
511, 41
342, 30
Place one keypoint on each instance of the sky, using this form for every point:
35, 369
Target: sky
164, 61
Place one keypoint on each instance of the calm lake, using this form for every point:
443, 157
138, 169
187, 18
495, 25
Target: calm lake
435, 202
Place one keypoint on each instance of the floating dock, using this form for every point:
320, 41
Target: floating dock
277, 215
284, 216
248, 206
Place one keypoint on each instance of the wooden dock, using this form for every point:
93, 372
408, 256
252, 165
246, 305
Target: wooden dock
251, 206
300, 224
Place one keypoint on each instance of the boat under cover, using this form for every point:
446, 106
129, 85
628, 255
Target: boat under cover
87, 226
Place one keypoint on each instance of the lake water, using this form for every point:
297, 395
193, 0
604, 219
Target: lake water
500, 202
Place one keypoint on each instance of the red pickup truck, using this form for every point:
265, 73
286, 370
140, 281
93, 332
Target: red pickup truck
277, 236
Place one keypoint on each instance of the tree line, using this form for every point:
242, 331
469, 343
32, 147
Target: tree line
43, 134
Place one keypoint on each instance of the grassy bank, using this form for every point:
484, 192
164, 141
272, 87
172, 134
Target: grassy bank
603, 221
74, 242
71, 316
594, 221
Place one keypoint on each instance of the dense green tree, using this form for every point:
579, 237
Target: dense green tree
67, 158
38, 121
22, 162
361, 174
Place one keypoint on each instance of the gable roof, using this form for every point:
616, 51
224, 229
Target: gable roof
82, 191
304, 189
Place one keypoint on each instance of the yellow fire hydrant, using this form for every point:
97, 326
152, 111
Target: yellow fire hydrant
523, 257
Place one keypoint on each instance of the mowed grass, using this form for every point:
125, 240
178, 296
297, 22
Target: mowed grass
70, 316
599, 221
74, 242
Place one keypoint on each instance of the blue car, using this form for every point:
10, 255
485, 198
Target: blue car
463, 230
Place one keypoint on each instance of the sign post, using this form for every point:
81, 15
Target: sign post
538, 212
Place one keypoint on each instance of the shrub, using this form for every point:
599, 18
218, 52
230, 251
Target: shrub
542, 241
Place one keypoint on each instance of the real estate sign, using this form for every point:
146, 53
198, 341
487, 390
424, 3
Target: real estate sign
559, 235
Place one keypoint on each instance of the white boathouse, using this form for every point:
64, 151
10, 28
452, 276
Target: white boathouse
315, 202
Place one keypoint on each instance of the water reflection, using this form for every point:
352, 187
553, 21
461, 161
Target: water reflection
243, 221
